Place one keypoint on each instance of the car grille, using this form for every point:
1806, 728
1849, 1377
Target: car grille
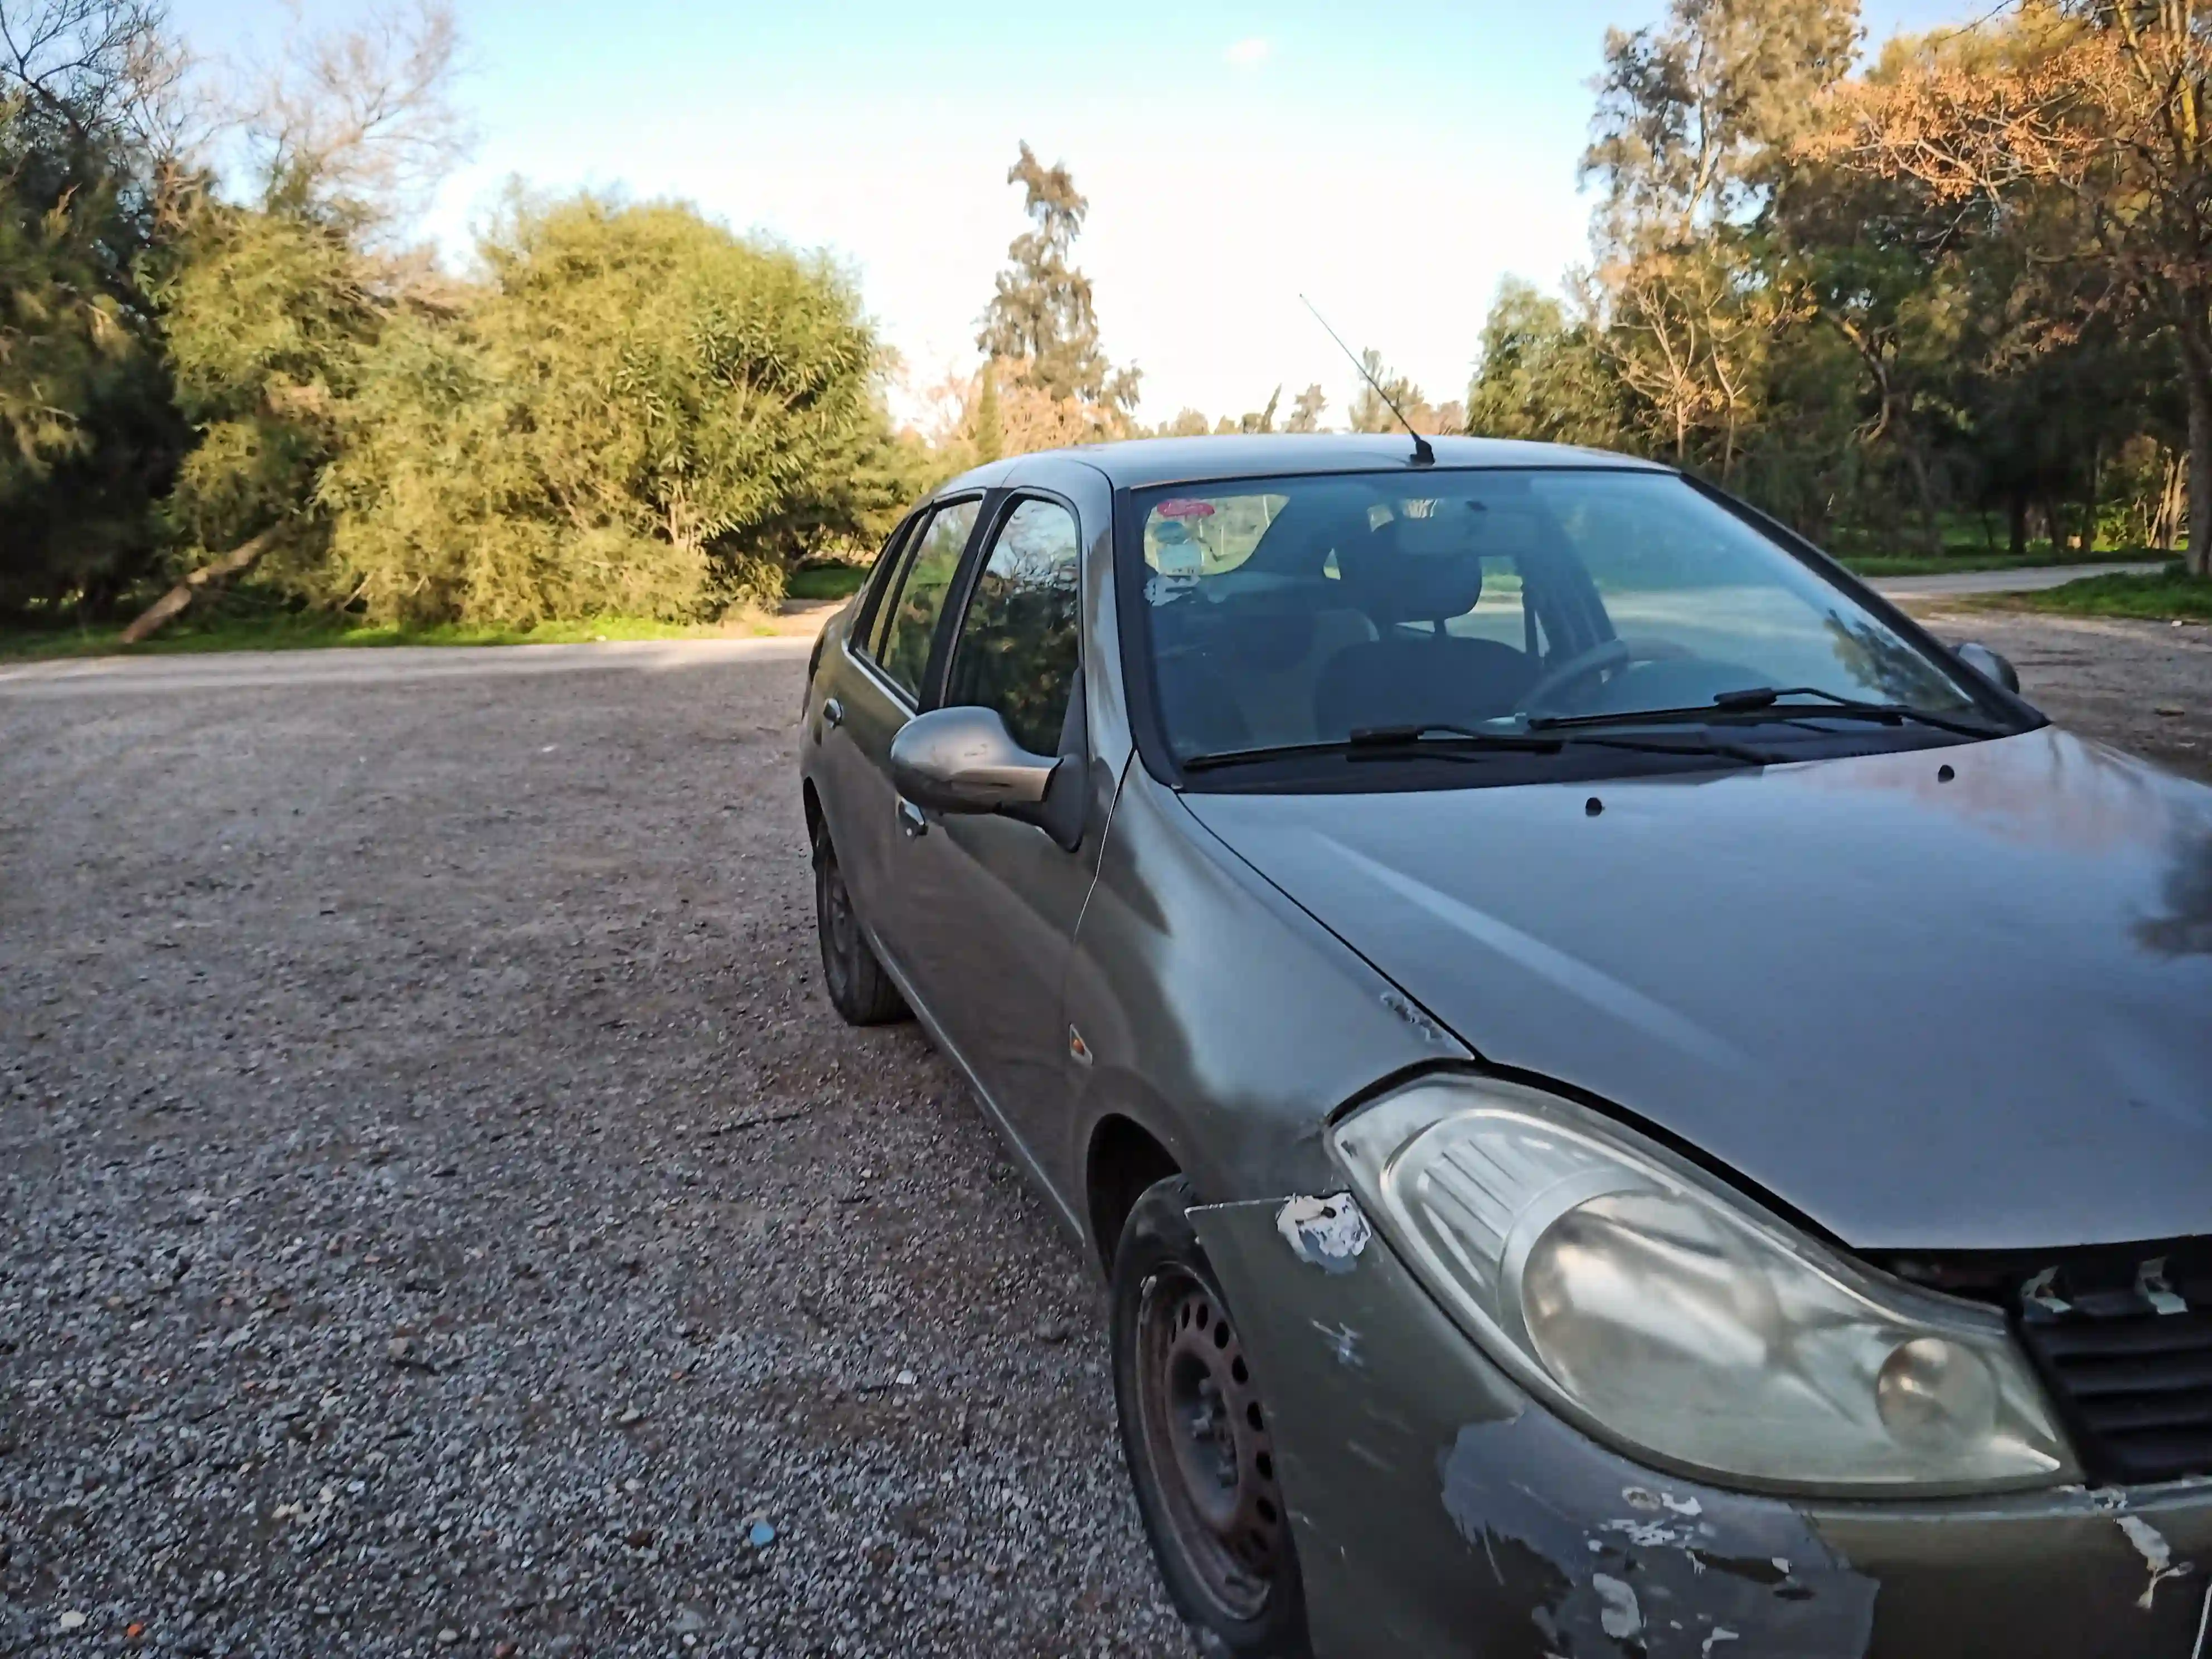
2126, 1350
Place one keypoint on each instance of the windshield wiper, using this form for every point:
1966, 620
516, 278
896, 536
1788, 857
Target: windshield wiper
1767, 701
1767, 697
1448, 742
1386, 739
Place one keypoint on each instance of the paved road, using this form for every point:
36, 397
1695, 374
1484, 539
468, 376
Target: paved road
379, 665
1953, 586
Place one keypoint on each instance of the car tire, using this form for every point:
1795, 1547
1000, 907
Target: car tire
1195, 1432
858, 988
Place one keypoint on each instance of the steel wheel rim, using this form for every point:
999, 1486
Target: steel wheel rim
1205, 1435
839, 930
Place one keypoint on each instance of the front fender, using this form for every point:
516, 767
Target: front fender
1219, 1015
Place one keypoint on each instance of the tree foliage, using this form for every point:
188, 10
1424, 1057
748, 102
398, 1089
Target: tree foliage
2094, 125
629, 409
640, 412
1961, 280
88, 434
1042, 322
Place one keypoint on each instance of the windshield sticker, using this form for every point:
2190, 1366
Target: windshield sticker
1182, 507
1174, 552
1180, 558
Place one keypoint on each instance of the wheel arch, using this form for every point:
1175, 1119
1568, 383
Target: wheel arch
1123, 1158
810, 801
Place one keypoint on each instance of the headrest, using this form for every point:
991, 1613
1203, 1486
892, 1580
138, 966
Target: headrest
1395, 576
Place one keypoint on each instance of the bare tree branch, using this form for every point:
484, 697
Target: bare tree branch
360, 123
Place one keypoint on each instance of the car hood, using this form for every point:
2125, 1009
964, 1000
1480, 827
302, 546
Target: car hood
1930, 1013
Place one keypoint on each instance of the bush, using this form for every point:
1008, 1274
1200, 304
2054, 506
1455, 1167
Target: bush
640, 413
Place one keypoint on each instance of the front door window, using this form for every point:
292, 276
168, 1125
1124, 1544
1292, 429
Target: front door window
1017, 651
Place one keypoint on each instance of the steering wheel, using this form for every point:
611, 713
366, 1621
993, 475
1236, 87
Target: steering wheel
1620, 652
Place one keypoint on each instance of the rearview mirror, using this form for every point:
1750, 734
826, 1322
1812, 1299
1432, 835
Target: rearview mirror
964, 760
1990, 664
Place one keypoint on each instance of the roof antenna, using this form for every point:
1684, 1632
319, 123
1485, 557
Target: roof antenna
1423, 455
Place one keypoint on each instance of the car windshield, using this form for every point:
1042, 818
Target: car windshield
1303, 611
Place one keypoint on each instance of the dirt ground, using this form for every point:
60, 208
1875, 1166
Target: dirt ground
438, 1212
2146, 687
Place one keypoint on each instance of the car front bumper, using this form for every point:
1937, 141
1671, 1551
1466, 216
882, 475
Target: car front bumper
1439, 1511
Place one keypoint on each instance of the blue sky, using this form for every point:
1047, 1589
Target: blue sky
1393, 162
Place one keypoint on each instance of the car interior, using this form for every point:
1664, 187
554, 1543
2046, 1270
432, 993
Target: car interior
1349, 609
1347, 616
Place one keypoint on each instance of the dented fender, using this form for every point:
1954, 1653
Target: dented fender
1438, 1509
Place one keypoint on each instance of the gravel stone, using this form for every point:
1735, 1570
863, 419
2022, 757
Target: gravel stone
413, 1204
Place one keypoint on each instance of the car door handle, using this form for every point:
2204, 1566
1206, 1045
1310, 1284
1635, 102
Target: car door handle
911, 820
833, 712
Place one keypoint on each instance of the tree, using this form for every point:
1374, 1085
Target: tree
1370, 411
1306, 410
357, 126
1258, 420
1693, 118
88, 432
1042, 320
990, 432
1865, 261
2105, 107
643, 414
1541, 376
1692, 123
273, 309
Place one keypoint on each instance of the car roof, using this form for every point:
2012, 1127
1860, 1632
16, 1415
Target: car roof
1142, 463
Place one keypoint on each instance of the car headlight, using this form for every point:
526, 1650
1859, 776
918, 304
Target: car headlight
1668, 1315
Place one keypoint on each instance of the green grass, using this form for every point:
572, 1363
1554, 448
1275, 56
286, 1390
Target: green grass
2171, 595
1965, 560
288, 630
825, 582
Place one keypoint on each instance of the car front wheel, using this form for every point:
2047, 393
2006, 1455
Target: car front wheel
1196, 1434
858, 988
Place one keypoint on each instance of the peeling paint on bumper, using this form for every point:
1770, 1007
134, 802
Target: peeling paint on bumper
1438, 1510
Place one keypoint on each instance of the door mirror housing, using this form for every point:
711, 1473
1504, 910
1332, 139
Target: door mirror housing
964, 760
1990, 664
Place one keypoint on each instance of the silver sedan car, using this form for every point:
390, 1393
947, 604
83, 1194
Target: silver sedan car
1632, 1101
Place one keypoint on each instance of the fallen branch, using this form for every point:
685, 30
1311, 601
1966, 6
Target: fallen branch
179, 597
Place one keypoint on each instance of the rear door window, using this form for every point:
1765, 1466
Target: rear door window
916, 599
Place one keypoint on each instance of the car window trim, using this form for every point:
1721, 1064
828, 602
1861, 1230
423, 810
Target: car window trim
860, 635
863, 652
972, 575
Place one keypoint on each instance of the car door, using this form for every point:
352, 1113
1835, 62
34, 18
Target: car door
871, 687
987, 905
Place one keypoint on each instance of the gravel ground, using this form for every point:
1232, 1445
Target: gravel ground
438, 1212
2144, 686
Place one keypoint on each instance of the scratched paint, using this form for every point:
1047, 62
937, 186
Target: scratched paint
2152, 1285
1619, 1615
2157, 1554
1343, 1342
2042, 1291
1329, 1233
1696, 1570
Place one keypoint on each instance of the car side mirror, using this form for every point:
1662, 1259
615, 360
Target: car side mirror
1990, 664
964, 760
